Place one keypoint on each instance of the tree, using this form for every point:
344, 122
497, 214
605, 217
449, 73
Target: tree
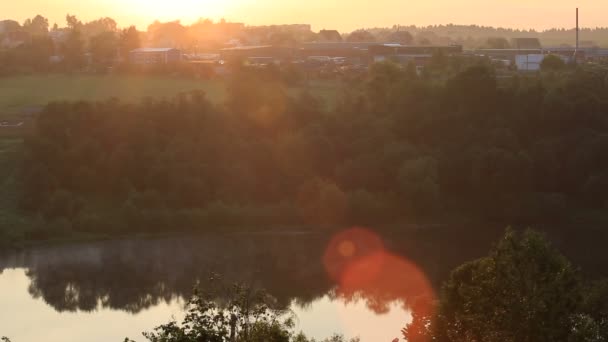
427, 38
361, 36
525, 290
417, 181
129, 41
39, 26
73, 50
11, 26
104, 47
73, 22
401, 37
40, 49
497, 43
246, 316
473, 90
99, 26
552, 63
170, 34
329, 36
322, 202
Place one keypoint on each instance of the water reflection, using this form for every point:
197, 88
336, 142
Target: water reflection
363, 268
135, 275
331, 282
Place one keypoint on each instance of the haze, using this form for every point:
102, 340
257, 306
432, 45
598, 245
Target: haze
344, 15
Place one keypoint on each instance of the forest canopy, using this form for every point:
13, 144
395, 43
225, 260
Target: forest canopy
398, 147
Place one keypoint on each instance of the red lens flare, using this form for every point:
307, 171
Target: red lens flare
362, 268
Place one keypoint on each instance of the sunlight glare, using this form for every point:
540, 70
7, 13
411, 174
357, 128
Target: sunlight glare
185, 10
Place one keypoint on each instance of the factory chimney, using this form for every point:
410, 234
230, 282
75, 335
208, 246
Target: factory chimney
577, 29
577, 36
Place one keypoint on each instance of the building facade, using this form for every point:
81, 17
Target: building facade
155, 56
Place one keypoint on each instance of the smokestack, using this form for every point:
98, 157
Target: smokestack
577, 30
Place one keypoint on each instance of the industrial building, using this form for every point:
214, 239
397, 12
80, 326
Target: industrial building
410, 53
258, 53
155, 56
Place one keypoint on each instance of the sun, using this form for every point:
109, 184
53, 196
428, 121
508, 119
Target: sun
185, 10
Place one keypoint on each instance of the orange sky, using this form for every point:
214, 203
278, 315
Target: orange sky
344, 15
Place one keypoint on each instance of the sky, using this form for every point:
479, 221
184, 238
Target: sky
343, 15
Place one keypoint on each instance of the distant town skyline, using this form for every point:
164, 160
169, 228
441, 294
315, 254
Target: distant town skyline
343, 15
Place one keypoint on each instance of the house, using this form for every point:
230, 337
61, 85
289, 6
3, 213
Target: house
419, 54
154, 56
13, 39
529, 62
59, 36
506, 53
354, 53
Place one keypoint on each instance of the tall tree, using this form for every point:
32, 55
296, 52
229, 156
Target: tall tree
104, 47
99, 26
524, 291
129, 40
38, 26
73, 49
73, 22
552, 63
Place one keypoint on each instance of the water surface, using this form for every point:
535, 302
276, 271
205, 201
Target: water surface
357, 284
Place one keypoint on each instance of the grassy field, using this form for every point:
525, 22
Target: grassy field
21, 92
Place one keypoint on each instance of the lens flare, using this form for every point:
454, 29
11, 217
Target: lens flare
357, 260
347, 249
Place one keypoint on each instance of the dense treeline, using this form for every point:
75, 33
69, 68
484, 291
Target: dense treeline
475, 36
397, 146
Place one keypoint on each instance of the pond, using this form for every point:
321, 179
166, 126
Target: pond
356, 283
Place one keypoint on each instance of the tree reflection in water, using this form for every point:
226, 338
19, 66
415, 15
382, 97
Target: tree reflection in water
363, 269
134, 275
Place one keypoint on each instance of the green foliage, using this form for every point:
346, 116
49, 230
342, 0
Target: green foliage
368, 208
552, 63
523, 150
73, 50
497, 43
242, 315
418, 182
104, 48
322, 202
129, 41
38, 26
29, 57
247, 315
361, 36
525, 290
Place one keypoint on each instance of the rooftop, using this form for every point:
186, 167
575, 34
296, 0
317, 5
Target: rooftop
247, 47
153, 50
